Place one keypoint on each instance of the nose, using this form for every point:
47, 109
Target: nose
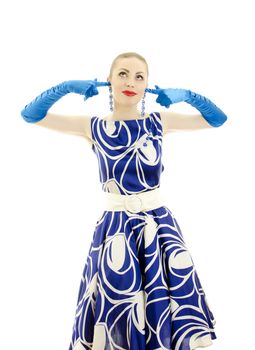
130, 84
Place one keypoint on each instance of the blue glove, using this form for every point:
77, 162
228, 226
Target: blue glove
38, 108
213, 115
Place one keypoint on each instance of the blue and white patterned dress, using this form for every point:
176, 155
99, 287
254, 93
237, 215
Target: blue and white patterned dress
139, 288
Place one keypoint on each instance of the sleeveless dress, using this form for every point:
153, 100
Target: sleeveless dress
139, 289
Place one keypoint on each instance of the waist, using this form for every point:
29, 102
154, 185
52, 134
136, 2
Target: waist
135, 202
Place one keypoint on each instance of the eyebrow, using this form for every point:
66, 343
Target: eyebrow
128, 70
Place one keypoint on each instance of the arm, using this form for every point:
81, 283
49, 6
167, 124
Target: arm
37, 110
74, 125
173, 121
212, 114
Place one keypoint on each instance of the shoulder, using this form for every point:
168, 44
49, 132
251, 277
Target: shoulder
87, 121
169, 120
158, 120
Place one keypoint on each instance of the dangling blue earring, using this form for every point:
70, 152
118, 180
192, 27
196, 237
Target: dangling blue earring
143, 105
111, 98
149, 135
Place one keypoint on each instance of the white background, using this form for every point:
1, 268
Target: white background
50, 189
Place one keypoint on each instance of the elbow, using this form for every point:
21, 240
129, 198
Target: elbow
221, 120
28, 117
216, 120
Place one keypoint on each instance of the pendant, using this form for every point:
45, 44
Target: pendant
149, 137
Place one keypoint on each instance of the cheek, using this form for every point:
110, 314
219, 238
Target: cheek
119, 86
141, 91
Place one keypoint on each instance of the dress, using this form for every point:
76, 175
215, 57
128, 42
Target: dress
139, 289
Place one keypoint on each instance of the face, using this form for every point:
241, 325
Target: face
128, 74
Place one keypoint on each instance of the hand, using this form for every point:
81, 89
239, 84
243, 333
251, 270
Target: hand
166, 97
85, 87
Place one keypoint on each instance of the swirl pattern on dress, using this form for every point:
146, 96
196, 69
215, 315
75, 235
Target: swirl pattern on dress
139, 288
129, 153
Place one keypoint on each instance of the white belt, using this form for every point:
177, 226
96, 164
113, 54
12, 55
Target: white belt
134, 203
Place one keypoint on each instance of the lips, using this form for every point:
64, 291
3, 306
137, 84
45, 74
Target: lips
129, 93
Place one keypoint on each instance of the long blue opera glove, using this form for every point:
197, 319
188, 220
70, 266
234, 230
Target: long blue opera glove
38, 108
213, 115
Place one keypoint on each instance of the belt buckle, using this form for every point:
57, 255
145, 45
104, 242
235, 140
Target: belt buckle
133, 203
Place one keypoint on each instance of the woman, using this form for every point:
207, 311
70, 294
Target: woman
139, 288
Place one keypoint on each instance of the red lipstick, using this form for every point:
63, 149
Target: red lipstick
129, 93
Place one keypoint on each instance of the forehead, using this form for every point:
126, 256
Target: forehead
131, 64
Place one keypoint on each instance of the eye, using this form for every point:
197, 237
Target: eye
126, 73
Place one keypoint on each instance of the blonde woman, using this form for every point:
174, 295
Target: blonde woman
139, 288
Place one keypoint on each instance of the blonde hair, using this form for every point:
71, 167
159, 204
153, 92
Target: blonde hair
126, 55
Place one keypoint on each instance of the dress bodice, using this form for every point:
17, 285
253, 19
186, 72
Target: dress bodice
129, 153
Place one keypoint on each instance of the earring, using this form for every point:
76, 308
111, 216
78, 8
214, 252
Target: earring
111, 102
143, 105
111, 98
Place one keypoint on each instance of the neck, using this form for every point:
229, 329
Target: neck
129, 115
125, 111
